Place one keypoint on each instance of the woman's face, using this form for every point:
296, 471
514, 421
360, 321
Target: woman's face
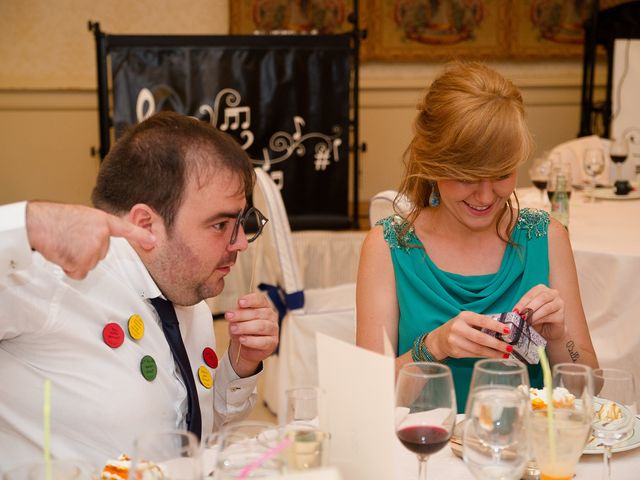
476, 204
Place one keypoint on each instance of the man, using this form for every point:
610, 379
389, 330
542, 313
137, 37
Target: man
175, 189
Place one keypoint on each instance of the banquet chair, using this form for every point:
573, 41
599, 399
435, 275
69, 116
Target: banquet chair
381, 205
303, 311
573, 151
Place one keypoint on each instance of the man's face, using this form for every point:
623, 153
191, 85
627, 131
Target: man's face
192, 259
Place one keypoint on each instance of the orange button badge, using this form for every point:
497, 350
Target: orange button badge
205, 377
210, 357
135, 326
113, 335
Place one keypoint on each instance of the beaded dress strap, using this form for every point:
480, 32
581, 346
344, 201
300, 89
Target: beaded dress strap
534, 222
392, 227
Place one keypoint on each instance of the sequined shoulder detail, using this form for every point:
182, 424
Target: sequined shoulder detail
393, 228
534, 222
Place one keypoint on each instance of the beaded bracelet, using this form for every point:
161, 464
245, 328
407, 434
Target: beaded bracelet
420, 352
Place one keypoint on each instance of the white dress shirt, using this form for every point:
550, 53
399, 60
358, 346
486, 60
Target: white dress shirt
51, 327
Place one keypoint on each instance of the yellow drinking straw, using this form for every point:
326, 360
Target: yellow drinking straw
46, 411
548, 385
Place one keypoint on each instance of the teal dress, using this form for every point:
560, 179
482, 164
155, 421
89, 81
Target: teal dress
428, 296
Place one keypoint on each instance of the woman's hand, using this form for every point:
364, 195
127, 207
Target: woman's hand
548, 311
461, 337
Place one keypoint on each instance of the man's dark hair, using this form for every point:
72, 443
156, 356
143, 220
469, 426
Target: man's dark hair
153, 162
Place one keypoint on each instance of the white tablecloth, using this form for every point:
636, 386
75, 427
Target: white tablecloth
605, 237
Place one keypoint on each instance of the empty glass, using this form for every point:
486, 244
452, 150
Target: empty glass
173, 454
616, 409
593, 163
491, 372
305, 405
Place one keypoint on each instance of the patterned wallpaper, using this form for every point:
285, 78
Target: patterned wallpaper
45, 44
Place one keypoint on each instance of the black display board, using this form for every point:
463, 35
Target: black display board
289, 100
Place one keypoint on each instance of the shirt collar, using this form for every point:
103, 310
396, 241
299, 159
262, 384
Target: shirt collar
123, 257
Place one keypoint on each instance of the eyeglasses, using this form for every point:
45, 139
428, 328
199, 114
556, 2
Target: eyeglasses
254, 218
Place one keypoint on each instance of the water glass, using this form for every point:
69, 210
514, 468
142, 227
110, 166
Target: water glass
495, 443
242, 452
306, 447
172, 454
306, 405
492, 372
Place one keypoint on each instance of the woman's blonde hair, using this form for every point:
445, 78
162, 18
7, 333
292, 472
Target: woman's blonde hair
470, 126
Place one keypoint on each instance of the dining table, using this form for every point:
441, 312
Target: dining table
605, 240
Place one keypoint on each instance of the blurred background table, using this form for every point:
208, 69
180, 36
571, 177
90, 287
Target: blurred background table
605, 237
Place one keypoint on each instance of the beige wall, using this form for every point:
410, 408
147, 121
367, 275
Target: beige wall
48, 114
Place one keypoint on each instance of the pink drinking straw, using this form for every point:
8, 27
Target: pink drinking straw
268, 455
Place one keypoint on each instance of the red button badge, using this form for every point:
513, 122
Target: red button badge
210, 357
113, 335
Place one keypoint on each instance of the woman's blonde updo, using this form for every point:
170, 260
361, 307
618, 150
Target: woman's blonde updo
470, 126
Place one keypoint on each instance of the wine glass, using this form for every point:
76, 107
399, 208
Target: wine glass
539, 174
490, 372
173, 454
593, 163
616, 409
618, 152
495, 441
425, 409
559, 434
559, 168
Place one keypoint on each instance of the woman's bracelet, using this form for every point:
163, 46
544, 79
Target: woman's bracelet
420, 352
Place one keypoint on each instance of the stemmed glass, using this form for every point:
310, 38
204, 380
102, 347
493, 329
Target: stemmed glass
539, 174
616, 409
559, 434
618, 152
425, 409
495, 440
171, 454
593, 163
491, 372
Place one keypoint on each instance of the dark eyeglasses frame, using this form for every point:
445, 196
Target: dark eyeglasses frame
242, 217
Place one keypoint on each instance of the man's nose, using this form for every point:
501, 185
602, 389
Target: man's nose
241, 243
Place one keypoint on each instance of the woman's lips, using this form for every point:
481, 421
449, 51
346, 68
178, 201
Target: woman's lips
479, 210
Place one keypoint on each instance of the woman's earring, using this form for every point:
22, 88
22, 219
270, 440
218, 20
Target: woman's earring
434, 198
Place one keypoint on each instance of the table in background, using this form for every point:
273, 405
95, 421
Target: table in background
605, 238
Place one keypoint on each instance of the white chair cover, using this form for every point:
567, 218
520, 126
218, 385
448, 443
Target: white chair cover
573, 152
330, 310
381, 205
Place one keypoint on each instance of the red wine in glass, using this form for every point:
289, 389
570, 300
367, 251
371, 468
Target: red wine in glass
551, 192
618, 158
424, 439
539, 184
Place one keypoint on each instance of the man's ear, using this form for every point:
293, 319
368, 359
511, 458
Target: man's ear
143, 216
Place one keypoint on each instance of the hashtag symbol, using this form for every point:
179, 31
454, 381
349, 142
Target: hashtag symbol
322, 159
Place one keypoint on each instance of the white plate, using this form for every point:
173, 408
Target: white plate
631, 441
610, 194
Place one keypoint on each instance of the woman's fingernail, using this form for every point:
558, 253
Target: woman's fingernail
509, 348
506, 355
507, 330
517, 311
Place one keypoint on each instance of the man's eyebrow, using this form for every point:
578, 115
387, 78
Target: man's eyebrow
221, 215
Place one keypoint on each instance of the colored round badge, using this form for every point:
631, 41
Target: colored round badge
148, 368
113, 335
205, 377
210, 357
136, 327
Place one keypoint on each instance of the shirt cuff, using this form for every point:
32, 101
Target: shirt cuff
237, 390
15, 251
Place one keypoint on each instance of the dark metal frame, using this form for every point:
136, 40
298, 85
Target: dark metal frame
603, 28
104, 42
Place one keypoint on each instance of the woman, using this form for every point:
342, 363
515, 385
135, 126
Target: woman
466, 250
